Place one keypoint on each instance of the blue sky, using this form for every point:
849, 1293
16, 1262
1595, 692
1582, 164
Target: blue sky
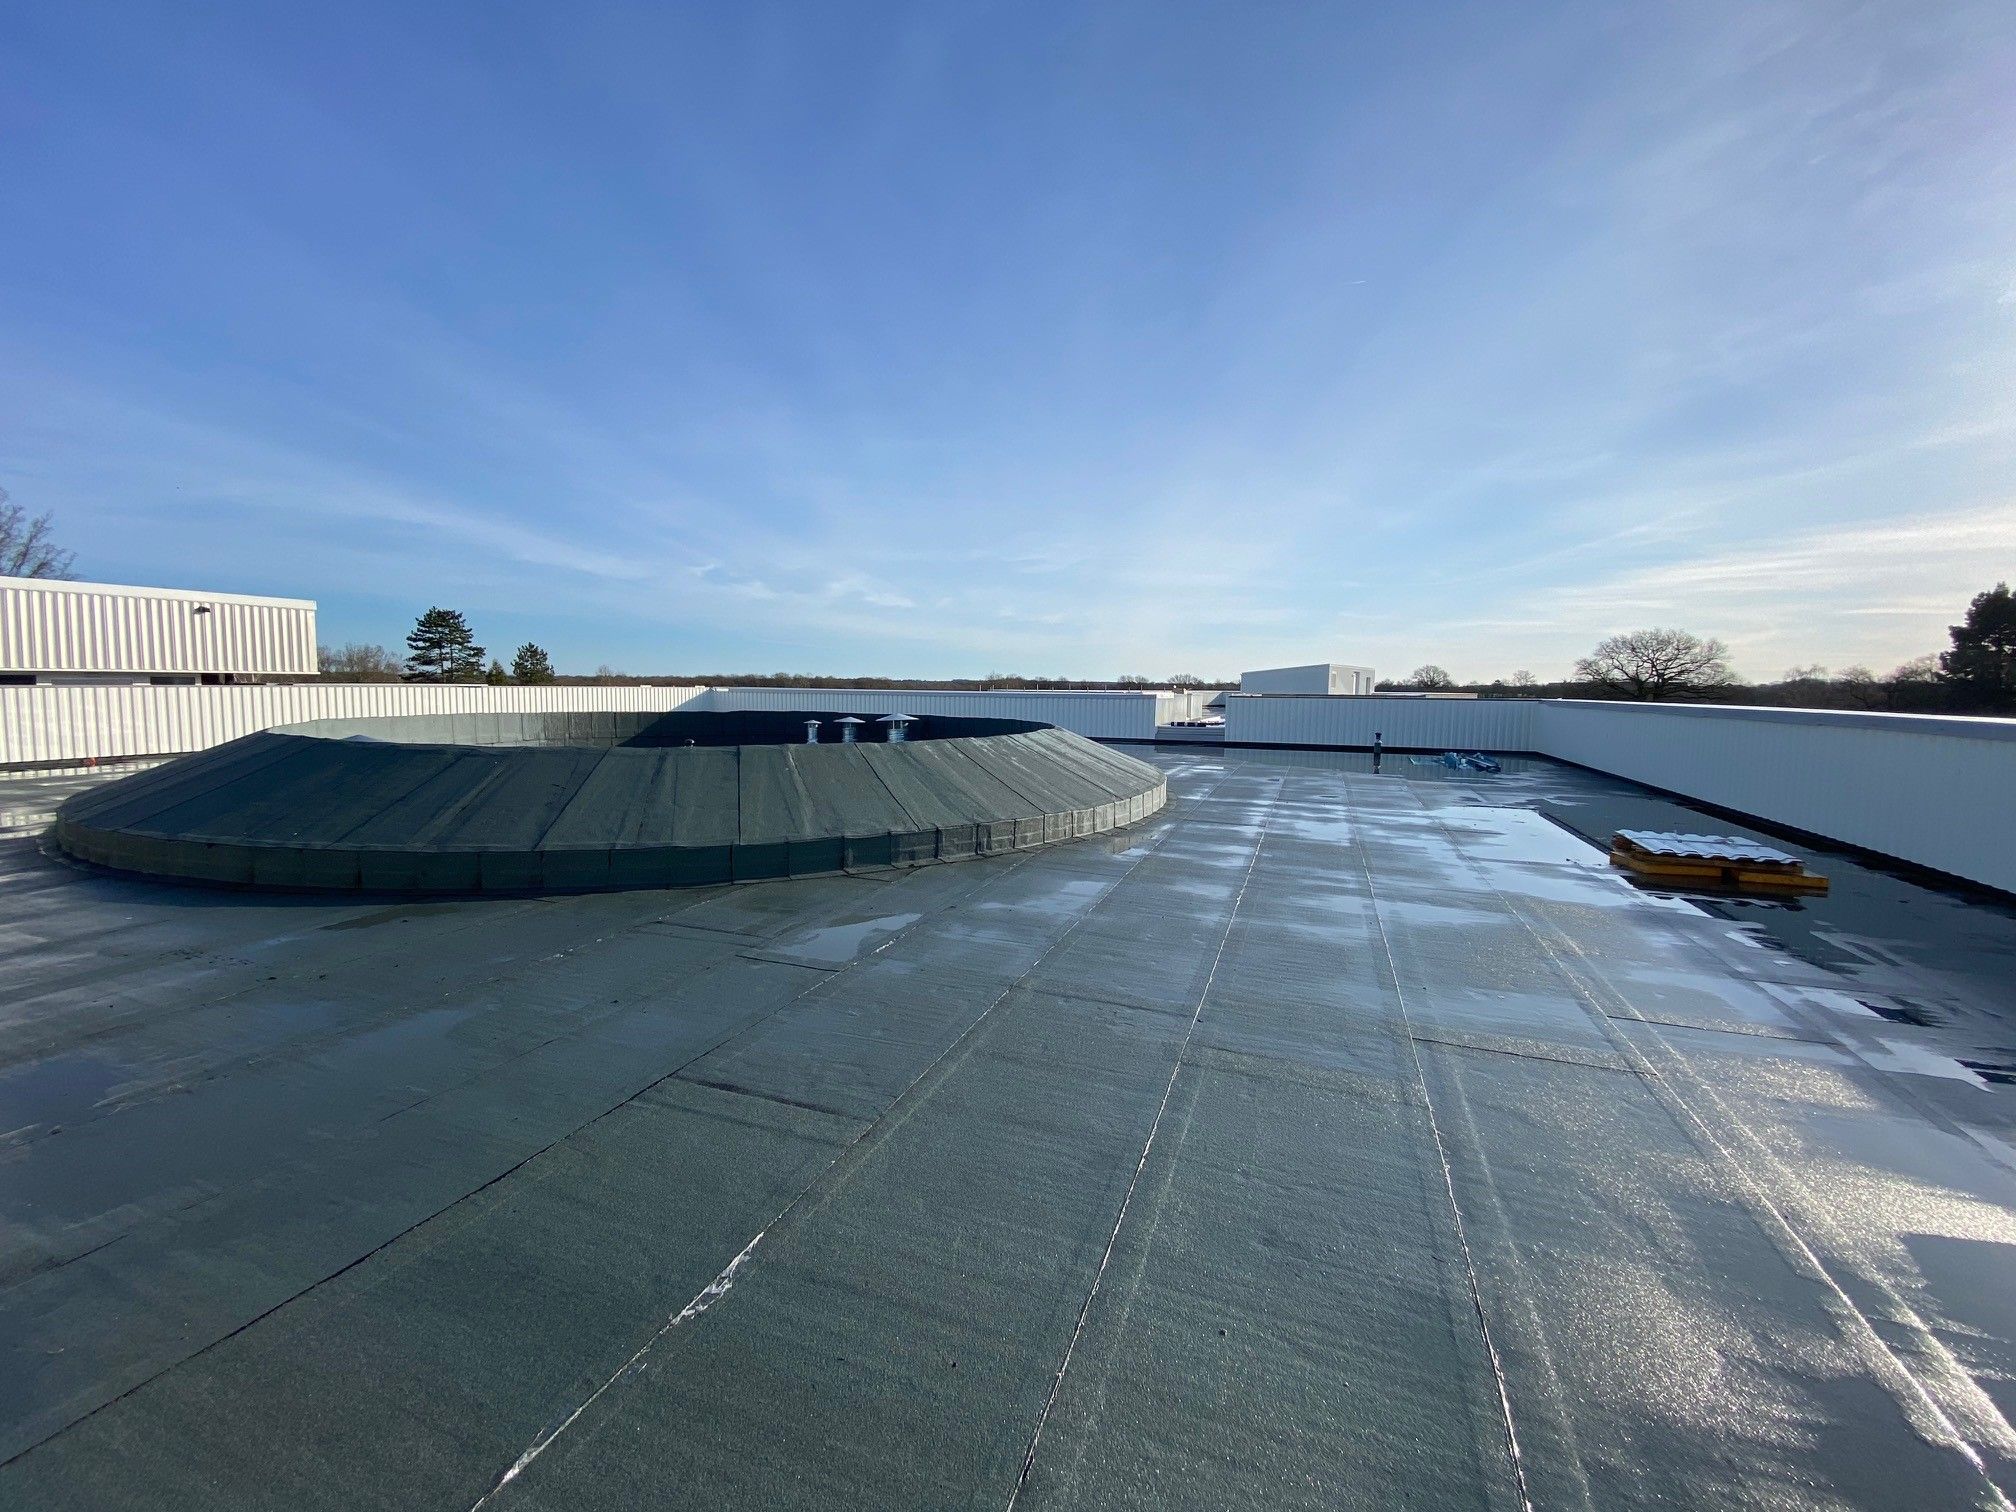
949, 339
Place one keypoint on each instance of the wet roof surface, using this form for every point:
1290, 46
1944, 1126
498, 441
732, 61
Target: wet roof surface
1327, 1139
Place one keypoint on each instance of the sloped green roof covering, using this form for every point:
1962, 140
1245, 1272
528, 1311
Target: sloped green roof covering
517, 803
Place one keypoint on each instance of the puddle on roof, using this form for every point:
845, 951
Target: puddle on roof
1517, 834
2001, 1073
1588, 889
54, 1091
1290, 825
1889, 1052
1904, 1011
1066, 897
837, 944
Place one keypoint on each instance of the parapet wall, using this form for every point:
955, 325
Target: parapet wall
57, 726
1935, 792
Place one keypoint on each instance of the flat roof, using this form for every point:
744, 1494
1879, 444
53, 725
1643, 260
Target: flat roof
1329, 1139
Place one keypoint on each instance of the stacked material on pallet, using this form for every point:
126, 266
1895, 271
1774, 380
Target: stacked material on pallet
1710, 861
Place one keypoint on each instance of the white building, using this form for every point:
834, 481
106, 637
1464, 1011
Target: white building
1319, 677
106, 633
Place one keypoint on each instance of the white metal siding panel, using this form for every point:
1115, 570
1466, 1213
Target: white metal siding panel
1185, 704
59, 724
1317, 677
1310, 679
1934, 791
1434, 724
51, 724
1101, 716
107, 628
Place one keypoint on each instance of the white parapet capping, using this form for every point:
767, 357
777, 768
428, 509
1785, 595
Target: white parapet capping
1425, 724
59, 725
1936, 791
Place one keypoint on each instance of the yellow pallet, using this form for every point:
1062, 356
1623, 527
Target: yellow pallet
1701, 872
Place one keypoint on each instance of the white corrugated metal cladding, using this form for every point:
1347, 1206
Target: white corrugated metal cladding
53, 725
1925, 788
1422, 724
1317, 677
108, 629
56, 725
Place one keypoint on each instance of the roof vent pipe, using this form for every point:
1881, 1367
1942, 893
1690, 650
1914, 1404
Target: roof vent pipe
848, 725
898, 725
811, 732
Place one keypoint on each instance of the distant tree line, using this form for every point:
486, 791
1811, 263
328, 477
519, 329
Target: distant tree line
441, 648
1976, 674
992, 682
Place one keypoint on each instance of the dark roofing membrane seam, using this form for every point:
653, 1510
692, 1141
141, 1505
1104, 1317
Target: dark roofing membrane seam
849, 1152
1176, 1065
1606, 1007
1499, 1379
821, 979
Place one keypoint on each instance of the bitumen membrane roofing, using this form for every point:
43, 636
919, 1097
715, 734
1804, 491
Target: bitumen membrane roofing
384, 805
1327, 1139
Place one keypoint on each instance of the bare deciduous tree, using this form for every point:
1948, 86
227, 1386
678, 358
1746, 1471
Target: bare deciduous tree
1863, 688
27, 547
1430, 677
1919, 670
359, 663
1655, 664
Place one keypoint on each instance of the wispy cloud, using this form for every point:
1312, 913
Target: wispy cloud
1464, 346
1775, 601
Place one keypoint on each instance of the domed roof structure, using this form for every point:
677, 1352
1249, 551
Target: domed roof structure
547, 802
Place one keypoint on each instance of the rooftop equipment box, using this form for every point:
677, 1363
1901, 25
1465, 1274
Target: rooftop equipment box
1318, 677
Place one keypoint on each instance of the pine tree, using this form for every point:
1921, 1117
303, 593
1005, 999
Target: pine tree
441, 649
531, 665
1981, 667
496, 676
